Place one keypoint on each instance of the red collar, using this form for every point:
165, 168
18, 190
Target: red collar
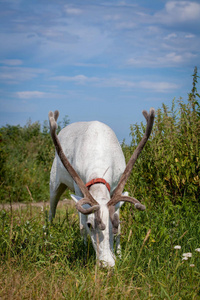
98, 180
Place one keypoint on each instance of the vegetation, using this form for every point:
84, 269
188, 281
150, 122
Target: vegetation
43, 261
39, 261
169, 166
26, 156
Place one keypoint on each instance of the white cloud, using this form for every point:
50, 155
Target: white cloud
170, 36
31, 94
118, 83
11, 62
13, 74
78, 79
189, 36
113, 17
72, 10
91, 65
126, 25
159, 86
179, 12
103, 33
173, 57
169, 59
184, 10
178, 58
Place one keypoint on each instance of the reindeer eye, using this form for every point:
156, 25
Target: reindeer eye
89, 225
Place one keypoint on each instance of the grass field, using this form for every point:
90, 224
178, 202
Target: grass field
39, 261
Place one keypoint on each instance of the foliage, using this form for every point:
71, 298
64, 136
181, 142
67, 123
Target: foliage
44, 261
169, 166
26, 156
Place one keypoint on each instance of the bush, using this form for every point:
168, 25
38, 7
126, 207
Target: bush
26, 156
169, 166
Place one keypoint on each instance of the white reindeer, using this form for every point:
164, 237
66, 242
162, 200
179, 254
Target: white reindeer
89, 160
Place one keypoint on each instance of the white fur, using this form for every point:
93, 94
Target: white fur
93, 150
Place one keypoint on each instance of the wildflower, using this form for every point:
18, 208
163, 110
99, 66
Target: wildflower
185, 258
198, 249
192, 265
177, 247
187, 254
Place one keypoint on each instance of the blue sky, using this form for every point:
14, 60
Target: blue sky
95, 60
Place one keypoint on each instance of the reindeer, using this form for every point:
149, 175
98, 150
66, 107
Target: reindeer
89, 161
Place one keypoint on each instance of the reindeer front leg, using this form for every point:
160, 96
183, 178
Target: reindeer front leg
55, 194
83, 220
117, 241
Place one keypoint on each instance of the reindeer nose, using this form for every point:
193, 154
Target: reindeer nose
105, 264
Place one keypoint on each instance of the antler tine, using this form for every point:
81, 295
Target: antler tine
145, 114
52, 123
119, 189
56, 115
88, 199
117, 195
63, 158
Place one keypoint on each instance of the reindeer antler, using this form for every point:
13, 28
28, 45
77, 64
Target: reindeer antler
88, 199
117, 195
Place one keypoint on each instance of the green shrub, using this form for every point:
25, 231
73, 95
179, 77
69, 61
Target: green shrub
26, 156
169, 166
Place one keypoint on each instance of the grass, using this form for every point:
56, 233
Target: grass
39, 261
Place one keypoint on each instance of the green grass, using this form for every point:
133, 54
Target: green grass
39, 261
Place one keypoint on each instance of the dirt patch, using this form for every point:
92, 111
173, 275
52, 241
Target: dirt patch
19, 205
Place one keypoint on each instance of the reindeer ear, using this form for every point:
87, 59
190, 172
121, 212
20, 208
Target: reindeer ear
76, 198
125, 194
119, 204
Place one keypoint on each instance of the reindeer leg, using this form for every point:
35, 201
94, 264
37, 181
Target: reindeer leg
117, 239
54, 198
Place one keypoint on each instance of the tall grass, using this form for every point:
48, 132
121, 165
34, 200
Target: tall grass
39, 261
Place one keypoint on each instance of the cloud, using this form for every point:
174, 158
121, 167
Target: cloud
31, 94
189, 36
169, 59
12, 74
112, 17
172, 57
126, 25
11, 62
179, 12
159, 86
170, 36
119, 83
91, 65
103, 33
78, 79
38, 95
72, 10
